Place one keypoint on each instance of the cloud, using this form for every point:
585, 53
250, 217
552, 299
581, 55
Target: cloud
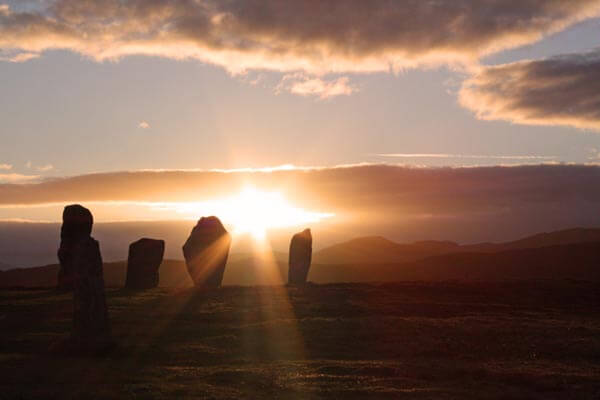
403, 202
594, 154
258, 80
45, 168
143, 125
304, 85
17, 57
563, 90
14, 178
384, 188
289, 35
5, 167
22, 57
467, 156
41, 168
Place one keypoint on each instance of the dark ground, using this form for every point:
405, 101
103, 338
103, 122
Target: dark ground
520, 340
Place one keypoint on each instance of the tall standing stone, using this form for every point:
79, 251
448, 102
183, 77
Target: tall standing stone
300, 257
77, 225
91, 328
81, 271
143, 262
206, 252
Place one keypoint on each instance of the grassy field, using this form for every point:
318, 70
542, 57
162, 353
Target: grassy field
520, 340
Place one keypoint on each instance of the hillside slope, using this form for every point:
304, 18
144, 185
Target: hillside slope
574, 261
378, 250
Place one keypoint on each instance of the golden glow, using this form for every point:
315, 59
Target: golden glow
251, 211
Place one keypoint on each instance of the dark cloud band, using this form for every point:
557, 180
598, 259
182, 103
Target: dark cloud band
466, 204
384, 188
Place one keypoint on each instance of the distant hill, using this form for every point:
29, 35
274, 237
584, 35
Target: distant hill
566, 236
376, 249
34, 244
579, 261
241, 270
172, 274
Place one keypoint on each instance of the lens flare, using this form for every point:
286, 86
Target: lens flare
251, 211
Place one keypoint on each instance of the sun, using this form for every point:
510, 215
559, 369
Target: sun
251, 211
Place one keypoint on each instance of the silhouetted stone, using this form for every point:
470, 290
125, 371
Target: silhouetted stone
77, 225
145, 257
300, 257
91, 330
206, 252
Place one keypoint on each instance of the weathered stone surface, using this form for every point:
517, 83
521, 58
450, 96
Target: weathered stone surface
300, 257
143, 262
206, 252
91, 329
77, 225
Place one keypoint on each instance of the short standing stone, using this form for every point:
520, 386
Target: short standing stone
77, 225
145, 257
91, 329
300, 257
206, 252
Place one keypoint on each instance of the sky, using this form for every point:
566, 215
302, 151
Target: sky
96, 87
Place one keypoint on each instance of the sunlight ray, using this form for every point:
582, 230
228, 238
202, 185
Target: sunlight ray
250, 211
283, 338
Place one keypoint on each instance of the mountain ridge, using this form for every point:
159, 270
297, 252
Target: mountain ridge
377, 249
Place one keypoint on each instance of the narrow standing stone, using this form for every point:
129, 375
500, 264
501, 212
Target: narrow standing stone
77, 225
81, 271
91, 329
300, 257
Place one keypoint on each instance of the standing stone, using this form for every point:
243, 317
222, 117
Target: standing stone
206, 252
91, 329
145, 257
300, 257
81, 271
77, 225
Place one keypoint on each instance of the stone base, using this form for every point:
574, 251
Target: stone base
72, 346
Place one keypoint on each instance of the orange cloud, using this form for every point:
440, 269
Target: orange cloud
468, 156
381, 190
313, 36
303, 85
45, 168
17, 57
16, 178
467, 204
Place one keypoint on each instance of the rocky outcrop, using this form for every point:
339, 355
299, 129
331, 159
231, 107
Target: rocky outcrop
206, 252
143, 262
76, 226
300, 257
